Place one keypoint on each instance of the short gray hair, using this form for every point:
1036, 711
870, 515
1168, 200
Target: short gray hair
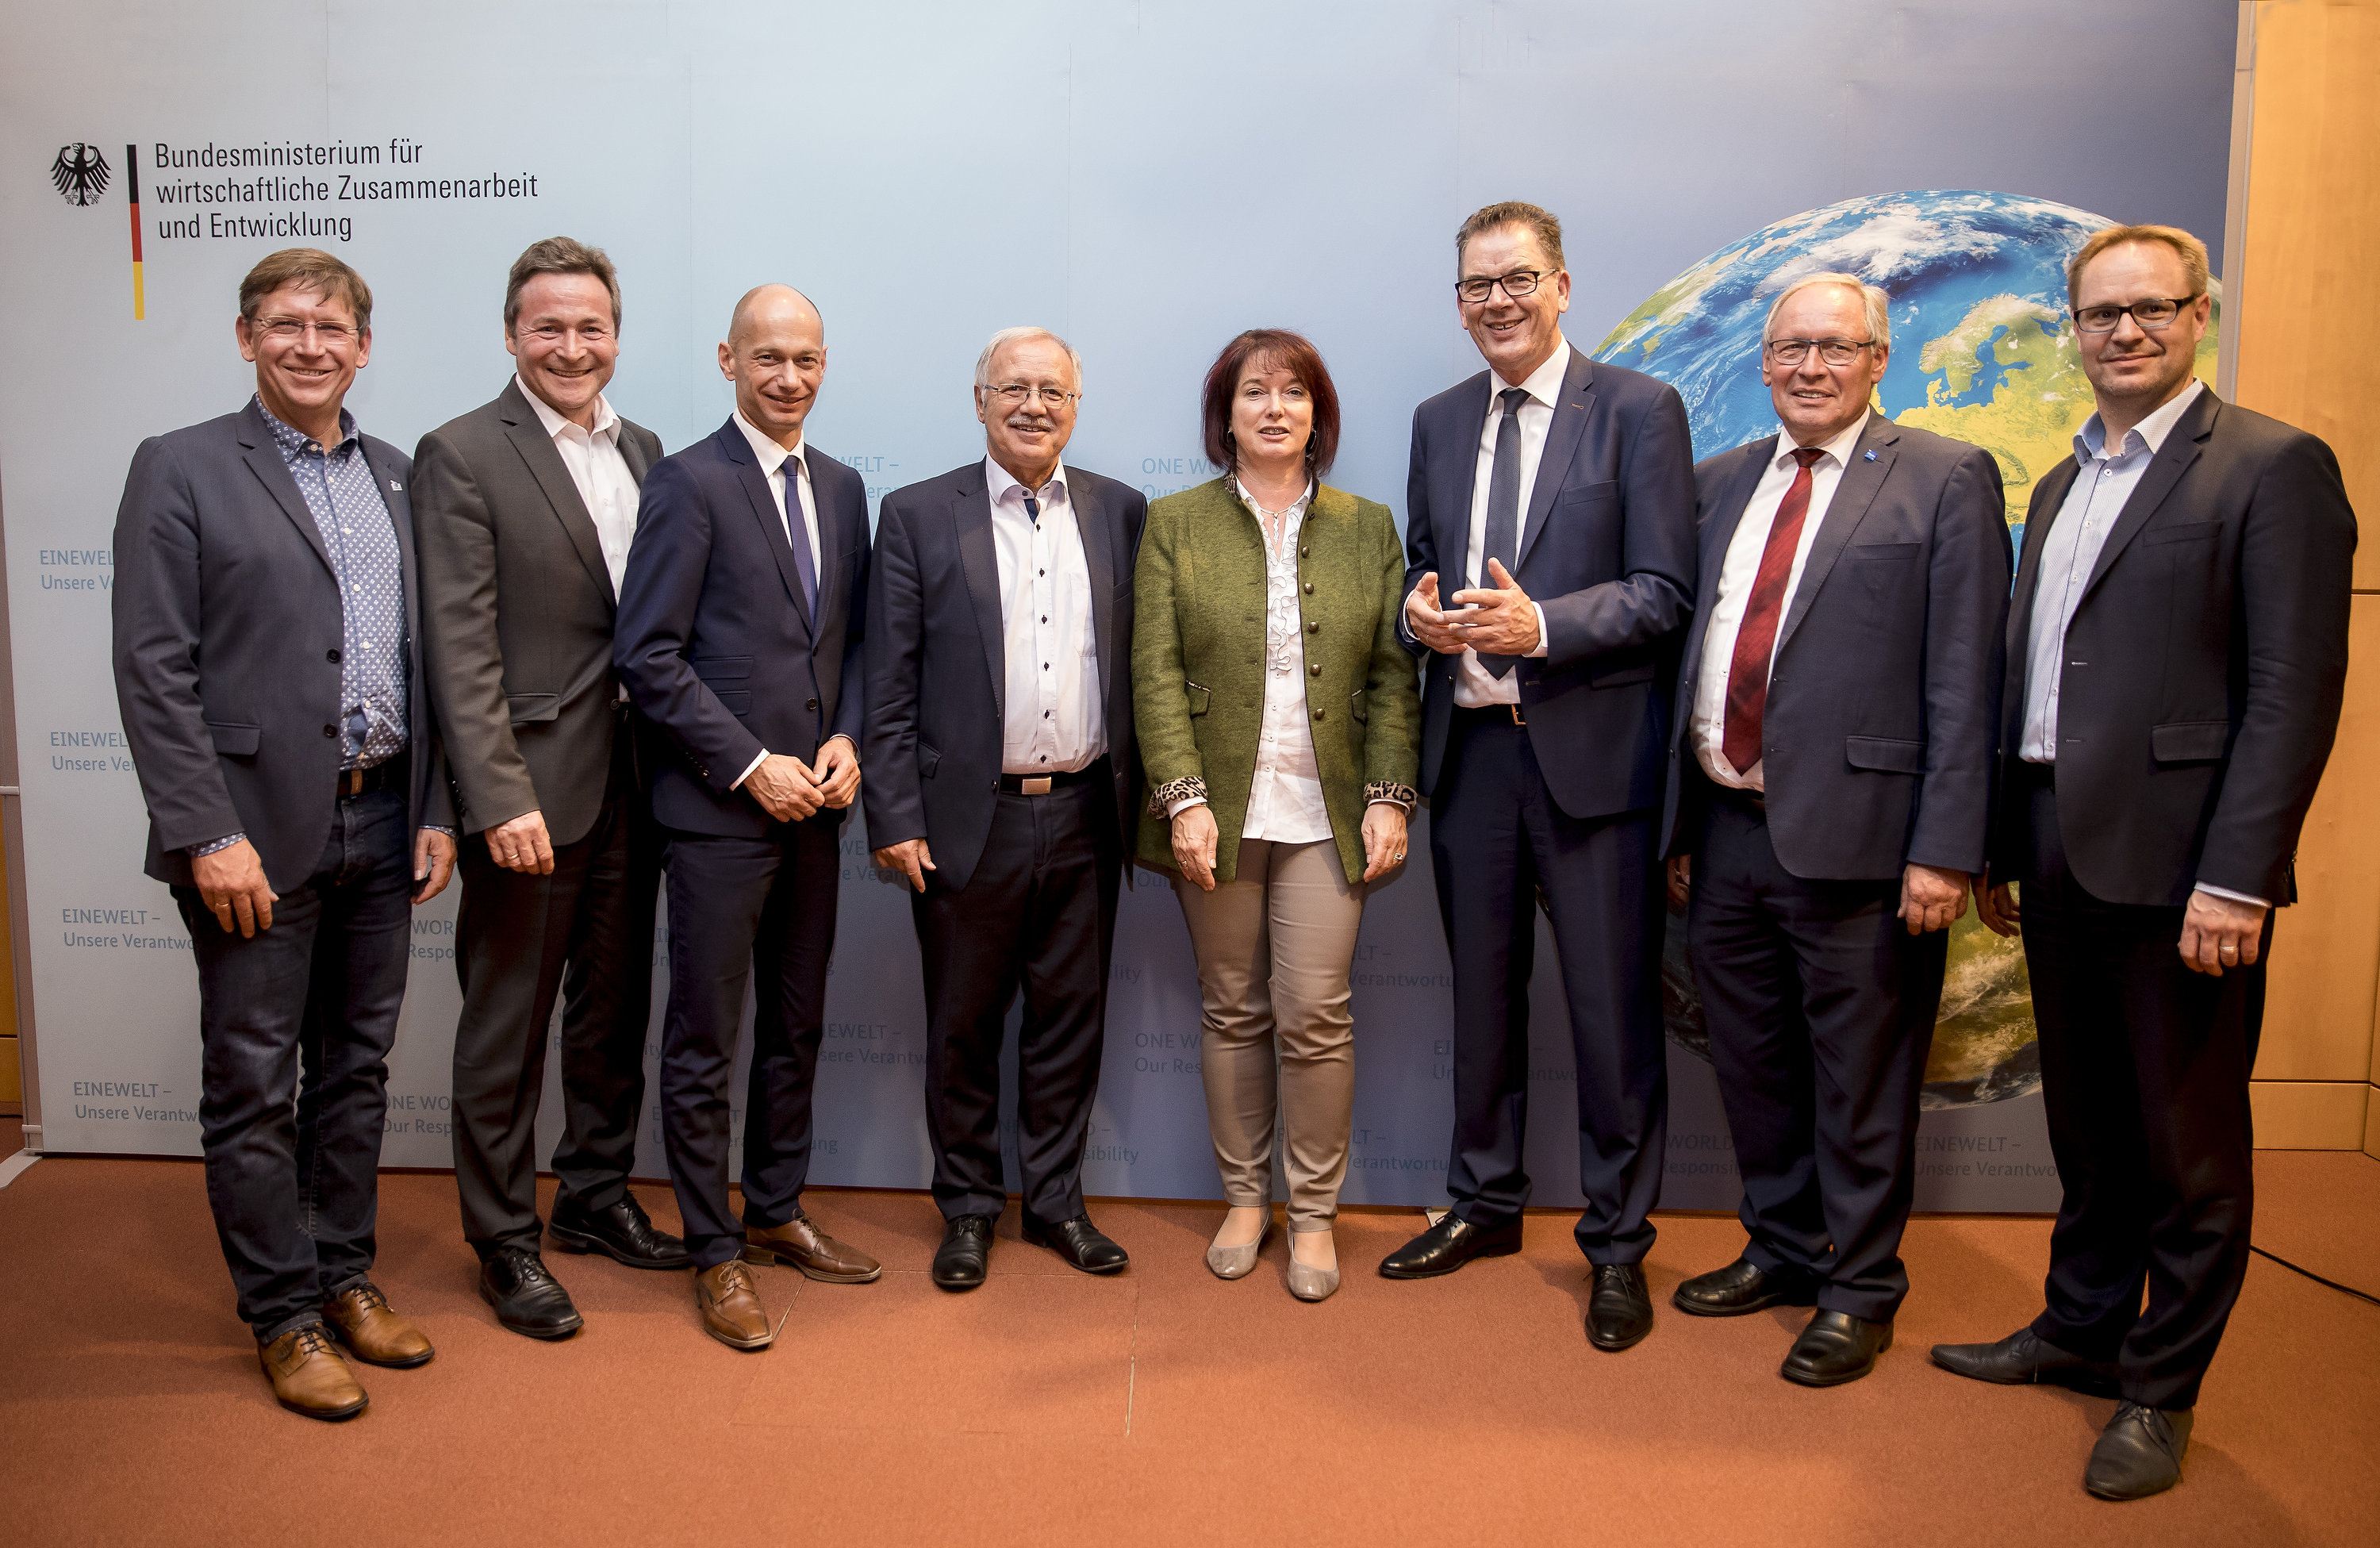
1014, 336
1879, 318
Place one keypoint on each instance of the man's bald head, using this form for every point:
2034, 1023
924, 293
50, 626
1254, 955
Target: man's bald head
775, 354
772, 302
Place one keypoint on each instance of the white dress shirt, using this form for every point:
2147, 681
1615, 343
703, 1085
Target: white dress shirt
599, 472
777, 465
1056, 722
1736, 575
1475, 686
2103, 486
1285, 803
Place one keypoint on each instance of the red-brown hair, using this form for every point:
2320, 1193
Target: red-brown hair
1271, 350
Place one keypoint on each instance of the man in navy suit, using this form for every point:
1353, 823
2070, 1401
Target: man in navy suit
1000, 725
1830, 786
268, 668
738, 638
1551, 528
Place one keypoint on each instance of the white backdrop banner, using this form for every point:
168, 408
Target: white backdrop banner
1146, 178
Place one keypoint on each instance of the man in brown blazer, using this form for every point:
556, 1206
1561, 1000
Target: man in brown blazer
528, 506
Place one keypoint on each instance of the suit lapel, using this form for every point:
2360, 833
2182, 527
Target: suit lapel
829, 542
764, 511
2048, 499
1561, 442
526, 433
2182, 444
400, 516
1099, 556
632, 452
1453, 494
1718, 533
1854, 492
971, 515
264, 460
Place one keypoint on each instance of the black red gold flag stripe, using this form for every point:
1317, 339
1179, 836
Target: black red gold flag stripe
132, 187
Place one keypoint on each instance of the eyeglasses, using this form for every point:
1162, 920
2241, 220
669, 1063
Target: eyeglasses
1014, 393
290, 330
1519, 283
2157, 312
1834, 351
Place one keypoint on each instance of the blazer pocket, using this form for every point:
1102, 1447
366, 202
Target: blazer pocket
1356, 707
735, 700
712, 669
235, 741
1199, 696
1586, 495
928, 760
1620, 677
1885, 754
2190, 742
1883, 551
2185, 533
529, 708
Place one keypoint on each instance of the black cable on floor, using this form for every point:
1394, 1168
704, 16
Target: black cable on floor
2343, 1289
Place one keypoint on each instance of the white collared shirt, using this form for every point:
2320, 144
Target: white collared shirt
1056, 720
1286, 802
775, 460
599, 471
1736, 575
1473, 684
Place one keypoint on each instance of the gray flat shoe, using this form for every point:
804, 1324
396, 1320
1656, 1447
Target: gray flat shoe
1310, 1284
1233, 1263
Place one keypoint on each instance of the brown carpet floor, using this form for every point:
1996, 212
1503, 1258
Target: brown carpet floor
1161, 1406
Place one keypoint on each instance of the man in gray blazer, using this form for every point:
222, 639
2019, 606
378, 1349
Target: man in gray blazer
527, 506
1828, 790
269, 676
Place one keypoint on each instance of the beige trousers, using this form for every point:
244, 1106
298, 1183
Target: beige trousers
1274, 946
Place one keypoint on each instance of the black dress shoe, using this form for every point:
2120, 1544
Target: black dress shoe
2139, 1453
527, 1299
1448, 1245
1741, 1287
1834, 1348
2024, 1357
1620, 1307
1079, 1242
964, 1256
621, 1232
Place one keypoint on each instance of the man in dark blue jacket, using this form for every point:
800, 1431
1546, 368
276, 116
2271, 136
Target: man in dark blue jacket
739, 639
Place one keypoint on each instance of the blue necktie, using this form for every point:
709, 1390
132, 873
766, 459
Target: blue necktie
1033, 509
797, 534
1502, 538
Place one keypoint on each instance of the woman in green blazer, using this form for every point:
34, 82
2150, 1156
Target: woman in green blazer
1281, 730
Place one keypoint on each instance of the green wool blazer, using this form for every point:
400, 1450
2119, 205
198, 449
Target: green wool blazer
1199, 663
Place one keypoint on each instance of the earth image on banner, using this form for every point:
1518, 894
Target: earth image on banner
1982, 350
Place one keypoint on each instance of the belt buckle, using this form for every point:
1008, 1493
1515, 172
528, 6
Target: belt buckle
1034, 784
355, 778
1517, 719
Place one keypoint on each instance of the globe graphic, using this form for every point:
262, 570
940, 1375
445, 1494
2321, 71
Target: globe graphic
1981, 351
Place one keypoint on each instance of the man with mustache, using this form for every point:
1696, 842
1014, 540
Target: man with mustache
739, 639
527, 506
1000, 733
2177, 651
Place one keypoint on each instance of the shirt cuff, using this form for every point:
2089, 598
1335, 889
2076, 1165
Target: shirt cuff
438, 827
213, 845
748, 768
1542, 638
2234, 897
1178, 808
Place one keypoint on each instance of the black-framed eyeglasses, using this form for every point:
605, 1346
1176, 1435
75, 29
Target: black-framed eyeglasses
290, 330
1519, 283
1014, 393
2156, 311
1834, 351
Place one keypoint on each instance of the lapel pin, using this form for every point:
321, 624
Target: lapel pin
1871, 457
393, 485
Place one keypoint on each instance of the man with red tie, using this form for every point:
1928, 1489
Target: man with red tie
1830, 782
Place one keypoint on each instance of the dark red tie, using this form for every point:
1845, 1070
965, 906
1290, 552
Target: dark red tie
1747, 670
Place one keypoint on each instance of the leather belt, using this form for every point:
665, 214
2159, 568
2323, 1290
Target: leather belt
386, 775
2023, 773
1744, 801
1041, 785
1489, 715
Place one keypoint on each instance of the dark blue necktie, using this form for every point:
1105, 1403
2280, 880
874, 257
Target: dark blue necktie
1033, 509
797, 533
1502, 538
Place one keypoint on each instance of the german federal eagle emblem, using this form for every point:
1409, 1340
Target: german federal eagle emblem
80, 173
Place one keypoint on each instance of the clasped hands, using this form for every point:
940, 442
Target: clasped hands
790, 791
1498, 620
2216, 933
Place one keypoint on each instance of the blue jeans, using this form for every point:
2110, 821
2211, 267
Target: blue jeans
310, 1003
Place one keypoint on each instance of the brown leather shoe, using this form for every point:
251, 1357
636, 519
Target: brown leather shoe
732, 1311
308, 1377
361, 1319
800, 1244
